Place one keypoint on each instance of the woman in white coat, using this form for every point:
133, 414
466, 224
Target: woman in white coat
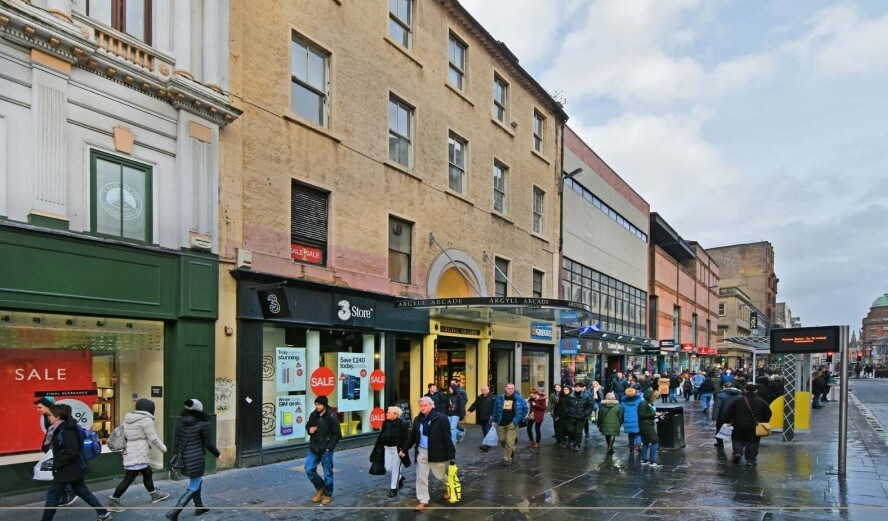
138, 427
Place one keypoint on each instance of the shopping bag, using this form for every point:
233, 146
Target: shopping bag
762, 429
43, 467
725, 432
454, 487
491, 439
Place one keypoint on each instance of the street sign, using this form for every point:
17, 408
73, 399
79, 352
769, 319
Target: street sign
823, 339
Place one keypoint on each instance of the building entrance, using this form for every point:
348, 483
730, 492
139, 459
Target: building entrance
450, 363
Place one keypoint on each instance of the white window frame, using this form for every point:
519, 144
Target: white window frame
538, 224
504, 189
500, 105
539, 131
397, 133
457, 68
721, 309
453, 137
505, 276
406, 25
299, 43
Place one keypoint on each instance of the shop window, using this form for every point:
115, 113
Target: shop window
501, 277
534, 372
99, 366
132, 17
308, 224
400, 247
121, 202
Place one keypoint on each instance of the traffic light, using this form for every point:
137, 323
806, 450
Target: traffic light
829, 357
859, 356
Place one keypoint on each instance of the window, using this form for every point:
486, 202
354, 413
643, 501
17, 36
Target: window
500, 278
400, 21
400, 241
500, 98
132, 17
607, 210
308, 224
676, 314
539, 127
400, 131
500, 185
121, 198
619, 311
457, 159
537, 284
457, 55
721, 309
694, 329
539, 201
309, 81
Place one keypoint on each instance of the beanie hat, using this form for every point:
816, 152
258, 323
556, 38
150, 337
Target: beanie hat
144, 404
648, 394
751, 388
322, 400
631, 391
45, 401
193, 404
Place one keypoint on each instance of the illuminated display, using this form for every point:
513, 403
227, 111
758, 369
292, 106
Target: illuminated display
805, 340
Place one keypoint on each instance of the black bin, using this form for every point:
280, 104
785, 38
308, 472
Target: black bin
671, 426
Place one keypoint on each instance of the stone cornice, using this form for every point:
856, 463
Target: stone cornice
118, 57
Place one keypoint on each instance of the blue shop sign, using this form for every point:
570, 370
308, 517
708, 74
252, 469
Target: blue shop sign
541, 331
570, 346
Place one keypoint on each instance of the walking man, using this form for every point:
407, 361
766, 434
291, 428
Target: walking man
437, 397
44, 405
484, 405
508, 411
743, 413
434, 448
323, 429
720, 407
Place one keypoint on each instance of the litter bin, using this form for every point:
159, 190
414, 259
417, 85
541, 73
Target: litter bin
671, 426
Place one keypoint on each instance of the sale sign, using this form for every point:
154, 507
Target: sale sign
354, 369
289, 365
322, 381
290, 418
377, 417
377, 380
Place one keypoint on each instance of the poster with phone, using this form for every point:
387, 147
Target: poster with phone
291, 418
290, 369
354, 381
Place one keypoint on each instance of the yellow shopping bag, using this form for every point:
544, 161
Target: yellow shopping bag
454, 488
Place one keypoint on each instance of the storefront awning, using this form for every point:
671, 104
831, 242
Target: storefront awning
758, 344
502, 310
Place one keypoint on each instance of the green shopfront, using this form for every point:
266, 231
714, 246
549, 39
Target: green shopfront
98, 324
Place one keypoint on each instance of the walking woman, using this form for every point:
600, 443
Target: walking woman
550, 407
392, 439
537, 404
610, 419
138, 428
563, 411
68, 467
630, 418
193, 438
647, 416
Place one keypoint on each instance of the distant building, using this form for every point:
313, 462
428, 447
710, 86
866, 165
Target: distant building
750, 267
874, 335
783, 317
737, 317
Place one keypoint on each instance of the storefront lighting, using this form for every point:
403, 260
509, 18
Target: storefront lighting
620, 337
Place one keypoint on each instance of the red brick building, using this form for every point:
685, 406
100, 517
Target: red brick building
874, 335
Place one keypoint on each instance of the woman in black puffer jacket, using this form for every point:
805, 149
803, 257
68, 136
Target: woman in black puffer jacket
193, 438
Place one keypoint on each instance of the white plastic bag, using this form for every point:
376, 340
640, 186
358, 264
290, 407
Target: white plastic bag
43, 467
725, 432
491, 439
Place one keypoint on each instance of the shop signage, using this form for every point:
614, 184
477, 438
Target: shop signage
491, 301
289, 365
354, 372
322, 381
667, 343
703, 350
753, 320
377, 380
303, 253
290, 417
569, 346
377, 417
460, 331
157, 391
541, 331
805, 340
687, 347
600, 346
354, 311
274, 303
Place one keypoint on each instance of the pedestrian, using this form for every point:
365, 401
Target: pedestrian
647, 424
437, 398
68, 468
484, 405
589, 407
720, 407
140, 434
389, 445
697, 380
619, 386
433, 449
456, 410
583, 407
663, 387
674, 384
550, 406
706, 391
610, 419
537, 406
743, 413
817, 387
630, 418
193, 439
562, 414
465, 396
508, 411
597, 392
44, 405
687, 386
324, 434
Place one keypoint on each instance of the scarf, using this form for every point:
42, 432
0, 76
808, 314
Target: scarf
47, 441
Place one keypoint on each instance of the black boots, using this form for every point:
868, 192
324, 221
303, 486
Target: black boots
393, 492
199, 510
610, 444
173, 514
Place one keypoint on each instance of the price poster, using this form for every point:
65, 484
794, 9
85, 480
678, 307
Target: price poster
291, 418
290, 369
354, 381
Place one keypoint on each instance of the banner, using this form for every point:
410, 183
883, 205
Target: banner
354, 380
289, 365
291, 418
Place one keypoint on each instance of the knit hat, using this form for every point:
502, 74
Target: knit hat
144, 404
322, 400
647, 395
193, 404
45, 401
751, 388
631, 391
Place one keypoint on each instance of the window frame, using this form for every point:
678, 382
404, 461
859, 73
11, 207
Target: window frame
461, 68
391, 222
410, 109
500, 280
324, 108
504, 170
453, 136
538, 216
407, 26
533, 283
502, 105
94, 156
118, 18
304, 239
721, 309
539, 131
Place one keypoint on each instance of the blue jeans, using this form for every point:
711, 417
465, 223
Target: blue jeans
194, 483
634, 439
706, 399
454, 427
673, 396
311, 470
649, 451
57, 491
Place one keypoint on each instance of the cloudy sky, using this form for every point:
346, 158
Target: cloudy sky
737, 120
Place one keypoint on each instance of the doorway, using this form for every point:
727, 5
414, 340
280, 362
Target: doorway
450, 364
502, 369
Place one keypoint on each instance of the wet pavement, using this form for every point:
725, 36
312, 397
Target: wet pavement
793, 481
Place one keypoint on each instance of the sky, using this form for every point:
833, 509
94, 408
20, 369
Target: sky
737, 120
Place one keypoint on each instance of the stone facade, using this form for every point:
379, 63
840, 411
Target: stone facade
874, 332
750, 267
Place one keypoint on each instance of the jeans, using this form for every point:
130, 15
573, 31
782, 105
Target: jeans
57, 491
195, 483
530, 426
311, 470
706, 400
454, 427
672, 395
634, 439
130, 476
649, 451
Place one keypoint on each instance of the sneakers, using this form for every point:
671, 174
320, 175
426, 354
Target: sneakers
750, 463
158, 496
645, 462
114, 505
654, 465
393, 492
484, 448
107, 516
68, 501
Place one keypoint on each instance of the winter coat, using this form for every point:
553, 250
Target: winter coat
67, 465
564, 408
619, 386
553, 400
456, 406
521, 409
484, 406
717, 384
610, 418
328, 433
817, 386
598, 394
393, 434
439, 401
193, 437
440, 444
647, 424
630, 413
538, 407
707, 387
583, 407
721, 402
663, 386
138, 428
739, 415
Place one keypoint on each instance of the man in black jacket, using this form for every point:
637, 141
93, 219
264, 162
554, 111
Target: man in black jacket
484, 405
720, 407
434, 448
743, 413
324, 432
438, 400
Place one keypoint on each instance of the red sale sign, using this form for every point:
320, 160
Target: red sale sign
322, 381
377, 417
377, 380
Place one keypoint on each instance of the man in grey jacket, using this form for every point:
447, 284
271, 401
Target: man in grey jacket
720, 406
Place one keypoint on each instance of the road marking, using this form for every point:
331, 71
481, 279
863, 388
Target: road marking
871, 419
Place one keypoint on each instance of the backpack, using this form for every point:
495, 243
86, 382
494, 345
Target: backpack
90, 446
688, 385
117, 440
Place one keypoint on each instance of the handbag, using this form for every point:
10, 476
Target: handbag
762, 429
377, 467
177, 461
454, 487
43, 467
